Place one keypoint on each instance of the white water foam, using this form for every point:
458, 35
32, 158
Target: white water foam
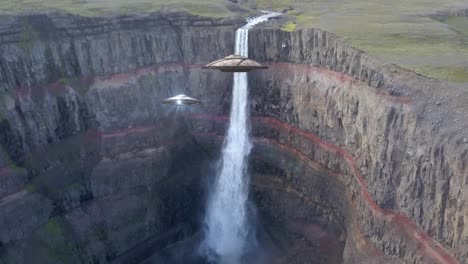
228, 230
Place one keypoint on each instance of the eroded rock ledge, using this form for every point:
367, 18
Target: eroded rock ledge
405, 134
84, 169
390, 139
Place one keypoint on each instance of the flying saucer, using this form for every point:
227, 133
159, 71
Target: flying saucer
181, 99
235, 63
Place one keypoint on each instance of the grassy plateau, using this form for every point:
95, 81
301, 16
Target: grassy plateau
404, 32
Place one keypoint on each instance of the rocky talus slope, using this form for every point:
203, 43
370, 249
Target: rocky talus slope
354, 161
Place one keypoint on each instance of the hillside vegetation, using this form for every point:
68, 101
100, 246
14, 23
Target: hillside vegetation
404, 32
421, 35
208, 8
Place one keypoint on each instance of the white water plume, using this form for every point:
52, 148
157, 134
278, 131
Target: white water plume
228, 230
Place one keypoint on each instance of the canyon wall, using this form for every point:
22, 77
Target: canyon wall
59, 73
399, 140
89, 156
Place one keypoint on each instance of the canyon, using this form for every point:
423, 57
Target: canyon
353, 160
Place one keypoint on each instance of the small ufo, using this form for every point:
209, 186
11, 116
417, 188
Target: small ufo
235, 63
181, 99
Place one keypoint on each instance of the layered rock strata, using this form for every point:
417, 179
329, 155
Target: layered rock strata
374, 157
401, 138
90, 159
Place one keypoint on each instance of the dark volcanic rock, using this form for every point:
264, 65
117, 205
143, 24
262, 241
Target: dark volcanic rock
355, 161
386, 123
60, 74
80, 110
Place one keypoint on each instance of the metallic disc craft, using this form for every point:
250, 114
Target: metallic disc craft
235, 63
181, 99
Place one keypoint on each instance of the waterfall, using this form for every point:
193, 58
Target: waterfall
228, 230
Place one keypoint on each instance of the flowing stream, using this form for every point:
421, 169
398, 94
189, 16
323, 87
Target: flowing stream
228, 231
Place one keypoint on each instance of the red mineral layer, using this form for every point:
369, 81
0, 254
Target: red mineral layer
5, 171
126, 132
305, 69
162, 124
111, 79
308, 69
369, 248
125, 77
428, 246
141, 131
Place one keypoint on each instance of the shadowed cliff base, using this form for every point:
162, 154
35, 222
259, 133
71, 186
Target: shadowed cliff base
390, 145
268, 135
110, 191
291, 227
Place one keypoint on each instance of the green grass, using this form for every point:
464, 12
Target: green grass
209, 8
456, 74
458, 23
28, 36
30, 188
53, 242
18, 170
63, 81
277, 5
396, 31
289, 27
53, 228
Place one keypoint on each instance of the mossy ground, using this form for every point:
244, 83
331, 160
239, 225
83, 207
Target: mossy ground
289, 27
12, 165
208, 8
30, 187
53, 243
396, 31
458, 23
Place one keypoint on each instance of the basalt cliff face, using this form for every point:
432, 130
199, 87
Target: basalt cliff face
75, 65
396, 141
354, 161
92, 165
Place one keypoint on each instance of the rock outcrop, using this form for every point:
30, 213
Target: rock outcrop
373, 157
60, 73
400, 138
90, 159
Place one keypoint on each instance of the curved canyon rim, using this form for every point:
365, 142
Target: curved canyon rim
328, 156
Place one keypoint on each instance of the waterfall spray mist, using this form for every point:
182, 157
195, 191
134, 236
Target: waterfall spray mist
227, 227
